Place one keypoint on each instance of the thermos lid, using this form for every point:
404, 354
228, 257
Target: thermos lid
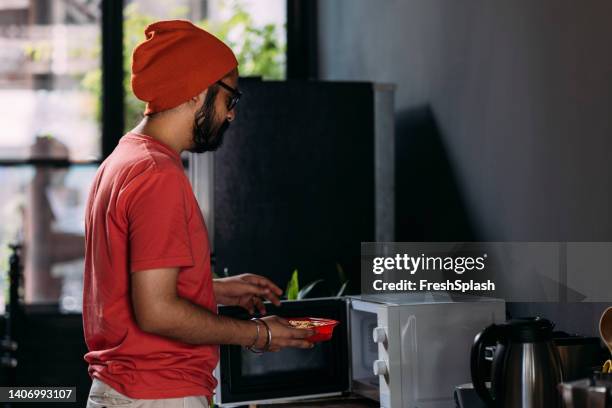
529, 329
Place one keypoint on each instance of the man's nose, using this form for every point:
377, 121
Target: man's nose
231, 115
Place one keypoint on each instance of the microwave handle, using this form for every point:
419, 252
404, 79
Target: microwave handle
477, 362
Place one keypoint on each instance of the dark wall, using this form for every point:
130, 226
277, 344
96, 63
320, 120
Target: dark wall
520, 92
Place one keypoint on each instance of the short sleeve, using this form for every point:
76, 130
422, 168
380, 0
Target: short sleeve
157, 220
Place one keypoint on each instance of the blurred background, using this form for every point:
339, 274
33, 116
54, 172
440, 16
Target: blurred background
65, 100
51, 112
500, 130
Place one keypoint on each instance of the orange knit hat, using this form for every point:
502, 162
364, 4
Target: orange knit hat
176, 62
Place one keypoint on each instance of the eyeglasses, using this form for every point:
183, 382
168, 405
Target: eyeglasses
235, 95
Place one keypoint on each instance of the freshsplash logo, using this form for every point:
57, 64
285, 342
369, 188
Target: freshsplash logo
414, 264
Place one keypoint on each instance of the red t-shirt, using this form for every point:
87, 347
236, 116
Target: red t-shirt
142, 214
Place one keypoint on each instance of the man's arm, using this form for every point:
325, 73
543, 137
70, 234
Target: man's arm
158, 309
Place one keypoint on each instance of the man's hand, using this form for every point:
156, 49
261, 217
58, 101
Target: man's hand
247, 291
283, 335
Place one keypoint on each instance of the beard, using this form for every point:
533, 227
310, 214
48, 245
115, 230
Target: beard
208, 132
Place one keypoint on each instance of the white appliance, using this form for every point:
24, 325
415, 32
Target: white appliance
405, 351
413, 349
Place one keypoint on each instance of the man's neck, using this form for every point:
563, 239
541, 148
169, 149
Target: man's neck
162, 132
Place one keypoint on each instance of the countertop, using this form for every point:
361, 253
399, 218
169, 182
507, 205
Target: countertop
337, 402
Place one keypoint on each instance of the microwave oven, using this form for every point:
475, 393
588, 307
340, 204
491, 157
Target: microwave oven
405, 351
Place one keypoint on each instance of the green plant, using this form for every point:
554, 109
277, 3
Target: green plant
303, 293
342, 278
342, 289
258, 48
293, 291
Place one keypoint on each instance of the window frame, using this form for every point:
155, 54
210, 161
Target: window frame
112, 75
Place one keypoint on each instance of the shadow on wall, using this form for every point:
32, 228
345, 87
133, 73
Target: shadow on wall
430, 207
428, 202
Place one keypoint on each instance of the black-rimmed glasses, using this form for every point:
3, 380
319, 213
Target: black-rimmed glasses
235, 95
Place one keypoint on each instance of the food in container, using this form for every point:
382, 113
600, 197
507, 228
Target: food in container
323, 328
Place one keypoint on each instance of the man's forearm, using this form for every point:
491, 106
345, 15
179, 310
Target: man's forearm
189, 323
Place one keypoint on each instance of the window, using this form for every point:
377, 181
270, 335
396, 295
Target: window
43, 207
47, 49
50, 140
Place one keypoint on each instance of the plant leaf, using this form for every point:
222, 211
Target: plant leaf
306, 289
341, 274
342, 289
293, 287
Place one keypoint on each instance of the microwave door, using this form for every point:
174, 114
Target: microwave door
290, 374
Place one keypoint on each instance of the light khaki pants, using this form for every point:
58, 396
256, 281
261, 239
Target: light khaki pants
102, 395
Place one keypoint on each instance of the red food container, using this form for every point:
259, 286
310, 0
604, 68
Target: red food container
323, 330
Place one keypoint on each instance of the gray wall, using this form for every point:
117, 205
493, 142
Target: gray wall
522, 94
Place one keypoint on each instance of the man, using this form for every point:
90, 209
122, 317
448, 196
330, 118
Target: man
149, 301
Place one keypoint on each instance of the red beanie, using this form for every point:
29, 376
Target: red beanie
176, 62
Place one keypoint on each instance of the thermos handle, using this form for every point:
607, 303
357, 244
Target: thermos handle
477, 362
